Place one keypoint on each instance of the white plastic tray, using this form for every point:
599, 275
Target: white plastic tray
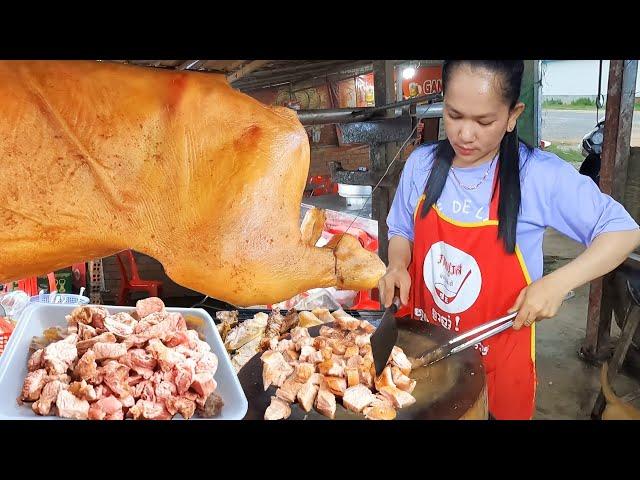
38, 317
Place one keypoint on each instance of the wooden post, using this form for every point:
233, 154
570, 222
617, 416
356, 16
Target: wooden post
613, 176
382, 155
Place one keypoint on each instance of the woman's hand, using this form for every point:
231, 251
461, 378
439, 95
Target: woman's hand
395, 277
538, 301
543, 298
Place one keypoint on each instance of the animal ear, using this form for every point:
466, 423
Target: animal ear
312, 226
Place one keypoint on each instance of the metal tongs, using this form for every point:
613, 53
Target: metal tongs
460, 343
457, 344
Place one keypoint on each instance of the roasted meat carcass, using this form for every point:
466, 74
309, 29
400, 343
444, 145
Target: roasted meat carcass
178, 165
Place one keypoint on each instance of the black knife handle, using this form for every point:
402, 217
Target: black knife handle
396, 304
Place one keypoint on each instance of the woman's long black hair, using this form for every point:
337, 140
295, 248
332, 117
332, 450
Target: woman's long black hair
509, 76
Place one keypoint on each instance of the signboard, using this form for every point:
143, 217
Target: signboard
426, 80
356, 92
64, 281
310, 98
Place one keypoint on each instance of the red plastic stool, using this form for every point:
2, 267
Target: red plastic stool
365, 302
321, 185
135, 283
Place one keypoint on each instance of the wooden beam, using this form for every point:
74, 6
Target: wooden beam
301, 68
273, 76
235, 65
330, 78
304, 80
246, 69
188, 64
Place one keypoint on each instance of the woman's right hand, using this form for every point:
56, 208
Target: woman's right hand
394, 278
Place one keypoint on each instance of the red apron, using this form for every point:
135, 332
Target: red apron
462, 277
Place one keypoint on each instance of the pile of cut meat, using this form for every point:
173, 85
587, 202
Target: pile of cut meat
336, 365
243, 340
147, 365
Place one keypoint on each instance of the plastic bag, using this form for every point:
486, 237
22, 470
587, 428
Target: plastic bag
329, 298
13, 303
346, 298
317, 298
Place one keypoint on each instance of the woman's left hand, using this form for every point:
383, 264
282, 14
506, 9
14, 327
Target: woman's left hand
538, 301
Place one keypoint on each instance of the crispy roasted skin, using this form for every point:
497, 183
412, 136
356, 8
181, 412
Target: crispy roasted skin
311, 227
99, 157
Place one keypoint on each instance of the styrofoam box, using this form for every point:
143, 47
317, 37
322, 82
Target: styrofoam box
38, 317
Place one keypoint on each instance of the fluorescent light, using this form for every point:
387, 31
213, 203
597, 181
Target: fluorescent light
408, 73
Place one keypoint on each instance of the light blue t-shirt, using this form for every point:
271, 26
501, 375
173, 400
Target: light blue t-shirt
553, 195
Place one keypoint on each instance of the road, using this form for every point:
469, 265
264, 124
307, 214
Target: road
569, 126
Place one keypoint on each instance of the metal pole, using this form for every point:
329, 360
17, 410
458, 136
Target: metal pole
326, 116
432, 97
349, 115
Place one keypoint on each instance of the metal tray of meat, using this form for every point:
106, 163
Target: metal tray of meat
39, 317
451, 389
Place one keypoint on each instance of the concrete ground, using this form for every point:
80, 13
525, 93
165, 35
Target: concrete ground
567, 386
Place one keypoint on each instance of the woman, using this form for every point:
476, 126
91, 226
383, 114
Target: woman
467, 223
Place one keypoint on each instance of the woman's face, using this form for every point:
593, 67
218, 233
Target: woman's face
476, 116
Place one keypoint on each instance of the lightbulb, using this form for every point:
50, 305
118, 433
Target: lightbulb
408, 73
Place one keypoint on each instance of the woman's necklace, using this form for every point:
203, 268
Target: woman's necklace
473, 187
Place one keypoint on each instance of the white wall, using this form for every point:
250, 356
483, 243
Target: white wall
575, 77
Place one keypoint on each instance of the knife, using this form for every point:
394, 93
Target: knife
385, 336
